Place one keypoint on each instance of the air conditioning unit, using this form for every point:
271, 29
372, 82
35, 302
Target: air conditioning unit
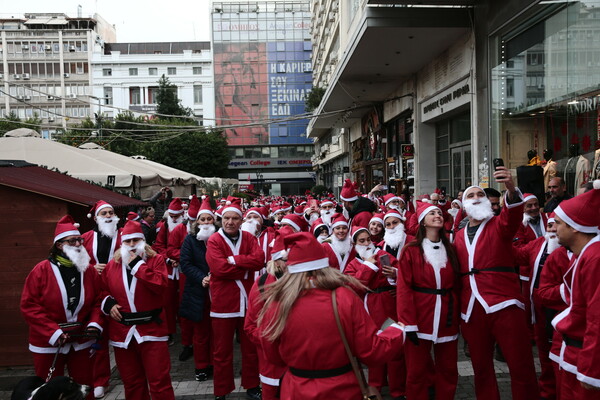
48, 47
16, 76
27, 98
66, 75
73, 95
71, 48
21, 98
25, 47
51, 119
26, 76
50, 97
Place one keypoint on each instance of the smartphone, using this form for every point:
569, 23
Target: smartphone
384, 260
387, 323
498, 162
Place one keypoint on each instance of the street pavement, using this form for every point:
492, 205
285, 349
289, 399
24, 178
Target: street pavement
186, 387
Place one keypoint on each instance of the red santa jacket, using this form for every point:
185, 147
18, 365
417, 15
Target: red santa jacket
335, 260
380, 303
525, 235
90, 242
553, 292
162, 238
231, 268
269, 372
302, 344
433, 316
145, 293
44, 306
491, 248
361, 219
579, 323
175, 241
265, 241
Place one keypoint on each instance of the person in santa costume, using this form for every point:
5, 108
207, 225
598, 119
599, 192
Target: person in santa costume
296, 222
326, 210
457, 214
135, 281
357, 209
577, 224
233, 256
380, 279
427, 302
376, 228
292, 337
61, 302
338, 247
533, 257
163, 231
492, 306
101, 243
195, 302
320, 230
395, 236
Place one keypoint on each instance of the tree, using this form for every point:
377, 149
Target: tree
12, 121
313, 99
167, 101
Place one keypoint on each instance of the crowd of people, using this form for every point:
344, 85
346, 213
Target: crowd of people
294, 280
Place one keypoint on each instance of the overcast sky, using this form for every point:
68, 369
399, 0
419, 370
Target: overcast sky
135, 20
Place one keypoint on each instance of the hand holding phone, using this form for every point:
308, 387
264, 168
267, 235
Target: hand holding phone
498, 162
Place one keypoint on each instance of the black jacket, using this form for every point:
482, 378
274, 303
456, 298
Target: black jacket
192, 261
362, 204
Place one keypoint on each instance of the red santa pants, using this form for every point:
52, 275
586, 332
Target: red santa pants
420, 377
77, 362
223, 333
101, 362
508, 328
571, 389
393, 373
171, 305
144, 369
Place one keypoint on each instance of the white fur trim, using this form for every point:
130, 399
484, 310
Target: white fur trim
348, 198
581, 228
175, 211
65, 234
55, 336
205, 212
231, 260
137, 266
530, 197
371, 265
234, 209
376, 219
308, 266
464, 197
393, 214
135, 235
326, 202
269, 381
596, 184
339, 223
257, 213
359, 230
76, 224
426, 211
101, 207
392, 199
292, 223
589, 380
89, 215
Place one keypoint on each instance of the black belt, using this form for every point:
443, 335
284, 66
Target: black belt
489, 269
440, 292
141, 317
573, 342
384, 289
320, 373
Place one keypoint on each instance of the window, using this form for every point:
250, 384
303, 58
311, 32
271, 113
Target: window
197, 94
197, 71
106, 72
108, 95
153, 71
134, 95
133, 71
152, 93
171, 71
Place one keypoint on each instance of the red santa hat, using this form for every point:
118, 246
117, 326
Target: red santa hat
356, 230
423, 209
390, 197
457, 201
348, 192
100, 204
392, 213
194, 207
304, 253
377, 218
467, 190
296, 221
132, 216
338, 220
66, 226
317, 224
581, 212
205, 207
255, 211
132, 230
528, 196
286, 206
299, 210
551, 218
176, 206
234, 204
327, 201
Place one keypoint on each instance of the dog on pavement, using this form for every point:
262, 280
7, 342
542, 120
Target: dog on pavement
58, 388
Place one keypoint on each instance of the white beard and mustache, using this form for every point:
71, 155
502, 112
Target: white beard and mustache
342, 247
394, 237
205, 231
394, 207
312, 218
552, 241
250, 226
79, 256
345, 213
172, 223
453, 212
526, 219
322, 238
107, 226
139, 248
481, 211
326, 216
365, 252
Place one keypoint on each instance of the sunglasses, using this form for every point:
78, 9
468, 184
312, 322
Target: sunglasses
74, 241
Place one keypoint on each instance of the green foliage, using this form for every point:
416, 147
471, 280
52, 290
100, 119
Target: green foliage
12, 121
313, 99
318, 190
167, 101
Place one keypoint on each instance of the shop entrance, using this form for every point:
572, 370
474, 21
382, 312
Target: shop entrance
460, 168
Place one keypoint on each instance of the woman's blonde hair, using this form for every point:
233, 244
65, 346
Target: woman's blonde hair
282, 295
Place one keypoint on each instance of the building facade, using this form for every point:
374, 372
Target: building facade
46, 66
262, 76
126, 75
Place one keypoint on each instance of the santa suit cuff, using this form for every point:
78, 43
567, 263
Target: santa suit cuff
231, 260
107, 305
589, 380
516, 204
135, 264
411, 328
95, 325
371, 265
563, 295
55, 336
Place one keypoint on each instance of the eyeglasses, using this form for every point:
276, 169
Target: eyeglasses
74, 241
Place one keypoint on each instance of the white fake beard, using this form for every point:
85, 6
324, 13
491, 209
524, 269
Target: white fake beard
140, 250
453, 212
394, 207
394, 237
436, 257
205, 231
250, 226
79, 256
173, 223
107, 226
326, 216
322, 238
365, 252
526, 219
481, 211
189, 226
552, 241
312, 218
342, 247
345, 213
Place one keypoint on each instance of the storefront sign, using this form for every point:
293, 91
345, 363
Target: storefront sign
246, 163
447, 100
407, 150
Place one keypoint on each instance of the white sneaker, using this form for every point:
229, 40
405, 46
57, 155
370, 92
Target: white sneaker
99, 392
